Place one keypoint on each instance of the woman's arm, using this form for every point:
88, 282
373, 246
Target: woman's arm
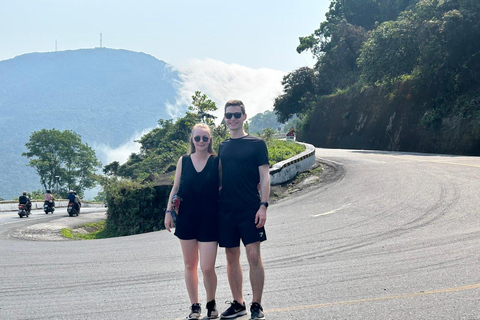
176, 183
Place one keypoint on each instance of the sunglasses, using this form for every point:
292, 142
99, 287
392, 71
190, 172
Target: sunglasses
229, 115
204, 138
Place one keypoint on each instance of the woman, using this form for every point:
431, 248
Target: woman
196, 184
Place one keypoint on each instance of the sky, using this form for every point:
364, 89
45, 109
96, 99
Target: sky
254, 34
226, 49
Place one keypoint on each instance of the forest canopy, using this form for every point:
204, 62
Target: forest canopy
363, 43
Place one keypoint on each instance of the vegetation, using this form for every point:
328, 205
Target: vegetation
94, 230
432, 44
268, 119
62, 161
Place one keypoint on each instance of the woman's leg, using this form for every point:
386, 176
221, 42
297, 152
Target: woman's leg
190, 259
208, 255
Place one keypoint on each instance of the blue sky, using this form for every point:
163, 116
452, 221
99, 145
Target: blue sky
254, 34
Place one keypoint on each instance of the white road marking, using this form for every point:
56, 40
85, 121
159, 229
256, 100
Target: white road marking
330, 212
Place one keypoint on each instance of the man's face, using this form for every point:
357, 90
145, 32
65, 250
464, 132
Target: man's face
233, 112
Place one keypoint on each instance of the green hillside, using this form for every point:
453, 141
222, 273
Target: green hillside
399, 75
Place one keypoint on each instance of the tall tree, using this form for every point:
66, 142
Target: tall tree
61, 160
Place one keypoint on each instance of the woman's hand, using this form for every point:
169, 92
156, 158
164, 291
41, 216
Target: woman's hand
168, 221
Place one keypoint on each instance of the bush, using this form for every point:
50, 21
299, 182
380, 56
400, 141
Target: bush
135, 208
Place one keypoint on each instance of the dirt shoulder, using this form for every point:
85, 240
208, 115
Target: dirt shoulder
51, 230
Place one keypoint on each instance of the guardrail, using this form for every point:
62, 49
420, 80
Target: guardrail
61, 203
286, 170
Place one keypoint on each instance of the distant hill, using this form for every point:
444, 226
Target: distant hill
104, 95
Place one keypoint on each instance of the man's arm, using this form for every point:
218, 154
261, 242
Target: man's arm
261, 216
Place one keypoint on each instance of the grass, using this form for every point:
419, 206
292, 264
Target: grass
95, 230
279, 150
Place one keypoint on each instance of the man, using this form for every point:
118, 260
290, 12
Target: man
24, 199
243, 210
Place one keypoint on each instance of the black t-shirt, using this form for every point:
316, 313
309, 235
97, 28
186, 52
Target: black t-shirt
23, 199
240, 160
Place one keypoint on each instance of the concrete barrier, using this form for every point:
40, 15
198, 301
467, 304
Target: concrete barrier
286, 170
61, 203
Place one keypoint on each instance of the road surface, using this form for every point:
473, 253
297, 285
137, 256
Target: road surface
383, 236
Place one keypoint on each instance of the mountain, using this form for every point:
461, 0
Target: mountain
105, 95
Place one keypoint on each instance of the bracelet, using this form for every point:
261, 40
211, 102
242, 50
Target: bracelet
169, 211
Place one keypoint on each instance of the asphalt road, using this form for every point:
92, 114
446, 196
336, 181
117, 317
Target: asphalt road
382, 236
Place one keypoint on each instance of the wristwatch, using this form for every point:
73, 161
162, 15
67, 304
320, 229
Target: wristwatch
265, 204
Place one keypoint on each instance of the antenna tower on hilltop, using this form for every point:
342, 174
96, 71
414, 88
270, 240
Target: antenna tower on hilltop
100, 40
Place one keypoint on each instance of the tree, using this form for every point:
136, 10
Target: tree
299, 94
61, 160
201, 108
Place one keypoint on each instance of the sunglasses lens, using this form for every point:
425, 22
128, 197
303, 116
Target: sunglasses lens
229, 115
198, 138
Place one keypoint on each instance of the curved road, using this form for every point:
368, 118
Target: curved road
383, 236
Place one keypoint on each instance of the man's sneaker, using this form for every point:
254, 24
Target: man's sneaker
212, 312
196, 311
257, 312
235, 310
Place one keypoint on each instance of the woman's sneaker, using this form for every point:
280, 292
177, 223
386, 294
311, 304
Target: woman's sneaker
196, 311
212, 312
256, 311
235, 310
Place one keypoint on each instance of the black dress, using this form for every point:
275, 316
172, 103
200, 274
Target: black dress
198, 214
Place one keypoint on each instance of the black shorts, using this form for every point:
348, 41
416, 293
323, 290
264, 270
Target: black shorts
236, 225
195, 225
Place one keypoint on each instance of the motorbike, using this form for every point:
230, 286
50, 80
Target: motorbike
48, 207
73, 209
23, 211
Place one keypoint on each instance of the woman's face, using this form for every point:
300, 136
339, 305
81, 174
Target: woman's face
201, 134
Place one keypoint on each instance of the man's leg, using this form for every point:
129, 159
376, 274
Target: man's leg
234, 272
257, 272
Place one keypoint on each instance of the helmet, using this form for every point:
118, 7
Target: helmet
71, 191
24, 193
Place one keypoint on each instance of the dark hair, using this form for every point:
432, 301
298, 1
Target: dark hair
48, 191
235, 103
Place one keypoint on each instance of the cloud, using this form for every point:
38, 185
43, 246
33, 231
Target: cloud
257, 88
108, 154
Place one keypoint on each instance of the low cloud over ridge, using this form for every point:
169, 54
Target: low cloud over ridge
257, 88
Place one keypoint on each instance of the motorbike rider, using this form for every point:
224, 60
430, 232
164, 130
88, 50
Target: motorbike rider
72, 197
24, 199
49, 199
77, 201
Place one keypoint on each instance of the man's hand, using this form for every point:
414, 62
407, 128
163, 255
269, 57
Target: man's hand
261, 217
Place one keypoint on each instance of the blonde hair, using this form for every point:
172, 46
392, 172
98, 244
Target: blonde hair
207, 128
